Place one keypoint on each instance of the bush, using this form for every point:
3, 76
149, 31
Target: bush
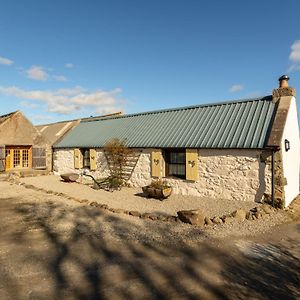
159, 184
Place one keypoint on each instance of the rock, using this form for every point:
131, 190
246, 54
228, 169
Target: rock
194, 217
217, 220
239, 214
161, 218
253, 210
153, 217
134, 213
93, 203
118, 210
172, 219
208, 221
258, 215
228, 219
249, 215
267, 208
104, 206
145, 216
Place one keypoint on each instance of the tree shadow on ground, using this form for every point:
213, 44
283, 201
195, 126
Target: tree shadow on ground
88, 253
266, 271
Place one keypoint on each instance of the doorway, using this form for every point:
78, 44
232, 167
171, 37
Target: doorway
17, 157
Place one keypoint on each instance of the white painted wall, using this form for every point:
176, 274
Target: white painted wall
291, 158
227, 174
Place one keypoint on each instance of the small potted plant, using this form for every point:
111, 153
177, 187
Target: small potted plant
158, 189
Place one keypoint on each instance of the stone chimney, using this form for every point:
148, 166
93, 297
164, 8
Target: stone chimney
283, 89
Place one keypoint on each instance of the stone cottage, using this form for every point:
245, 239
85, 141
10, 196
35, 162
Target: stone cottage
22, 146
244, 150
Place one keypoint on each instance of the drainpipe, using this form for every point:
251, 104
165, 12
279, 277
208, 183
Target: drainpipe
273, 178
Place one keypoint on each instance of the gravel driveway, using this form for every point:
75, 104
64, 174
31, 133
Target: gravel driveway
52, 247
132, 199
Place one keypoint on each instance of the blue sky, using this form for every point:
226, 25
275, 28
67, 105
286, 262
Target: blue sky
67, 59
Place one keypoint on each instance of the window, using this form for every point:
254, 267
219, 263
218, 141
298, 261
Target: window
175, 163
25, 158
86, 158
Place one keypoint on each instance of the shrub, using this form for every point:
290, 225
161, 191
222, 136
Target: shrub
159, 184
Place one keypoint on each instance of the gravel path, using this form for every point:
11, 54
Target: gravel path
133, 228
132, 199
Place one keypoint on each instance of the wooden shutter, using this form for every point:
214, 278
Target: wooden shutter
2, 158
156, 163
191, 164
38, 158
78, 159
93, 159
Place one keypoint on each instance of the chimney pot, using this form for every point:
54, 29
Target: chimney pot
283, 81
284, 89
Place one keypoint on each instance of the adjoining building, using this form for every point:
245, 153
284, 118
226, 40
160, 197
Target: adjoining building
25, 147
22, 146
243, 150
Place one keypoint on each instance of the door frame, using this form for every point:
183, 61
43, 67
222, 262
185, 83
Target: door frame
9, 158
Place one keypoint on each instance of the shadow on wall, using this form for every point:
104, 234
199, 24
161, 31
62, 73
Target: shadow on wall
262, 182
85, 253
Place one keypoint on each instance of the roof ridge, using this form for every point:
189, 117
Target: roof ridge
268, 97
91, 118
8, 114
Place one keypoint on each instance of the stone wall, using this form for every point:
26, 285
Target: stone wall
228, 174
63, 162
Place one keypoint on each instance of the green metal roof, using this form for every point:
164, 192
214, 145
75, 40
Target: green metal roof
236, 124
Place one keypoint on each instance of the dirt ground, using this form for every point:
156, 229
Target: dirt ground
54, 248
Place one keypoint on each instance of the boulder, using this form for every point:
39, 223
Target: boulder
249, 215
208, 221
258, 215
239, 214
134, 213
217, 220
267, 208
194, 217
228, 219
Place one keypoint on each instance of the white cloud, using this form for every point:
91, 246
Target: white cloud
293, 68
37, 73
68, 101
236, 88
295, 53
59, 78
28, 104
69, 66
294, 57
41, 117
107, 110
5, 61
71, 92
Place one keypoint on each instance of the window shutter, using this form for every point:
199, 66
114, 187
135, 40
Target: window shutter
38, 158
156, 162
191, 164
78, 159
2, 158
93, 159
